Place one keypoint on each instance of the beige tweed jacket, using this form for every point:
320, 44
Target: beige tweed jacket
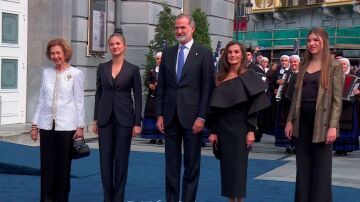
328, 104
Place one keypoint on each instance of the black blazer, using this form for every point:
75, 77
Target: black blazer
151, 78
115, 97
258, 69
150, 105
190, 97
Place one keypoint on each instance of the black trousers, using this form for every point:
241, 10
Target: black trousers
313, 161
114, 147
174, 135
55, 157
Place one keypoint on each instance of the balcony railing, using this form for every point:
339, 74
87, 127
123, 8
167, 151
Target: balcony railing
264, 6
339, 37
296, 3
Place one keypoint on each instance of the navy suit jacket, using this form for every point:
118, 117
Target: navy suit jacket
190, 96
115, 96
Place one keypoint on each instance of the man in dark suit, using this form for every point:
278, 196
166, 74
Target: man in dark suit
184, 87
284, 66
250, 58
252, 64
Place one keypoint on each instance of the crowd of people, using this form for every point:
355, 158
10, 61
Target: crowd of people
187, 95
280, 79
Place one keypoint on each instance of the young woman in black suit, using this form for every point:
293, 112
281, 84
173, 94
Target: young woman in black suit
117, 118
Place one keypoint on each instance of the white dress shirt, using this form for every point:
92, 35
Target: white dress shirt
61, 99
186, 52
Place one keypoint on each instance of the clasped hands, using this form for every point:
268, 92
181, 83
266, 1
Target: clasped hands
250, 139
135, 131
330, 136
79, 133
198, 125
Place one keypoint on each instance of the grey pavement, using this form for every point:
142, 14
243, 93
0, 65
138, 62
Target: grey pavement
346, 170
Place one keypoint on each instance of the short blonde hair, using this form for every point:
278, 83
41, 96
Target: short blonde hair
121, 36
64, 46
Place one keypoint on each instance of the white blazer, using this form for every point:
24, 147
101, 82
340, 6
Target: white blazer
68, 101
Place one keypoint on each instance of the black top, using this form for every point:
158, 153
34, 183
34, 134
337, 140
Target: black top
114, 79
246, 87
310, 86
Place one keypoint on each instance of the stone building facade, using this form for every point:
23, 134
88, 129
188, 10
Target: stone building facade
276, 24
69, 19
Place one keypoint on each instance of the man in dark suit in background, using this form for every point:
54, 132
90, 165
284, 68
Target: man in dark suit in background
252, 64
250, 58
184, 87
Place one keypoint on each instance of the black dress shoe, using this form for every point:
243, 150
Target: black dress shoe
152, 141
287, 151
203, 144
338, 153
160, 142
258, 137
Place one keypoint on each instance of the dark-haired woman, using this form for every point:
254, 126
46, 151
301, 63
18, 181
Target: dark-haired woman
313, 118
232, 118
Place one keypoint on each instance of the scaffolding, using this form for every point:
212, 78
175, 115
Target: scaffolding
283, 40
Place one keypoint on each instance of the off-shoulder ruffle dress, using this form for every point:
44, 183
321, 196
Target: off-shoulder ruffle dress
233, 110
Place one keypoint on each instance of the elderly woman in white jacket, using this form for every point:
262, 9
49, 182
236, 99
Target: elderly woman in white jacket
59, 119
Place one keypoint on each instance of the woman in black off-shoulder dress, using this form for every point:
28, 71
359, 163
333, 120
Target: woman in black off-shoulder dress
232, 118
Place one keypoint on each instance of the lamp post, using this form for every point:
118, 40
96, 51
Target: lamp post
248, 8
237, 14
118, 28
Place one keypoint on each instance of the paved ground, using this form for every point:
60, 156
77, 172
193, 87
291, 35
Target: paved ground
345, 169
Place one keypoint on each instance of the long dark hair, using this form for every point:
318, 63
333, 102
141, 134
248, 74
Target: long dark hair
225, 67
325, 55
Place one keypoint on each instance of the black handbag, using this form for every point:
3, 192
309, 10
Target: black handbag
80, 149
217, 150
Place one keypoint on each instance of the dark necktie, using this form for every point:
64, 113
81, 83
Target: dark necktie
180, 64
